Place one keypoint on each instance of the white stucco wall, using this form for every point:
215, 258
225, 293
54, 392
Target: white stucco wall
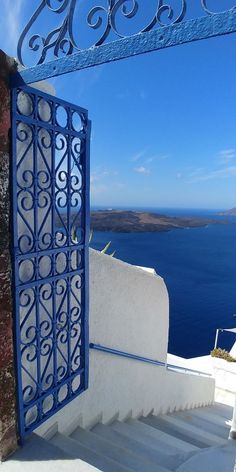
129, 311
225, 377
127, 306
233, 350
223, 372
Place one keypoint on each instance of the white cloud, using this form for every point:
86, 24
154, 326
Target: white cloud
92, 179
200, 176
156, 158
101, 173
103, 182
12, 21
98, 189
197, 173
142, 170
139, 155
227, 155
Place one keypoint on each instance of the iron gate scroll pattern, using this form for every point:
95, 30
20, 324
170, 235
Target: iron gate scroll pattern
106, 21
50, 198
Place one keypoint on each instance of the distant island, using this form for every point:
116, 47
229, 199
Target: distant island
122, 221
231, 212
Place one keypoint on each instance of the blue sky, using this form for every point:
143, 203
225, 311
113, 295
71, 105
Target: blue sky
163, 124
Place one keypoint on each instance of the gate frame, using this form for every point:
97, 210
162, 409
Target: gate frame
23, 432
8, 409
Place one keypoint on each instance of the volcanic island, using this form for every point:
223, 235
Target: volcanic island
128, 221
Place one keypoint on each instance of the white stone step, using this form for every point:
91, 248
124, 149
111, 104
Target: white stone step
158, 424
214, 459
222, 406
39, 455
152, 437
167, 438
208, 415
77, 451
204, 421
187, 430
115, 452
156, 455
222, 410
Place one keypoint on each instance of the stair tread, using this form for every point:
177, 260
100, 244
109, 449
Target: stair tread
215, 459
177, 442
43, 456
206, 421
181, 435
208, 415
118, 453
222, 406
225, 411
155, 455
77, 451
150, 435
193, 432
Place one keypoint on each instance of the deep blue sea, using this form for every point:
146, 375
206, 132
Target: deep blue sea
199, 269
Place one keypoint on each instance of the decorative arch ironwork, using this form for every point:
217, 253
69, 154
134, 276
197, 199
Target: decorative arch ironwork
167, 23
99, 17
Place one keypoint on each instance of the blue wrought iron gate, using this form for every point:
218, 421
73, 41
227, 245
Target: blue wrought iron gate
50, 200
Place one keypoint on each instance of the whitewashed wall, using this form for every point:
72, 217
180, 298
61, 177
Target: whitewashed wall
129, 310
225, 378
233, 350
129, 307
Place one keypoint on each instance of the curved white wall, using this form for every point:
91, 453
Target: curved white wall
129, 311
129, 307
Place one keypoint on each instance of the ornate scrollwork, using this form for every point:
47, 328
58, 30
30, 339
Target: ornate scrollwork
49, 200
104, 19
207, 9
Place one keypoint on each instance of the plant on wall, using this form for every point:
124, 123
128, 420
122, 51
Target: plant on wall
222, 354
103, 251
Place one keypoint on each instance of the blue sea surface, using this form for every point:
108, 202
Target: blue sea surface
199, 269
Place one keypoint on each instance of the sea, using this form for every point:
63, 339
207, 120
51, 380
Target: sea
198, 266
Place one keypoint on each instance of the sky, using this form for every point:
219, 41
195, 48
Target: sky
163, 124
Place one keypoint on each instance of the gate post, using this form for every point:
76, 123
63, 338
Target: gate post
8, 418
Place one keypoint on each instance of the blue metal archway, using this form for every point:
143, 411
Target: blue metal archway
168, 23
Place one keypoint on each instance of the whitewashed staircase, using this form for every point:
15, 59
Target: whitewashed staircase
189, 441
